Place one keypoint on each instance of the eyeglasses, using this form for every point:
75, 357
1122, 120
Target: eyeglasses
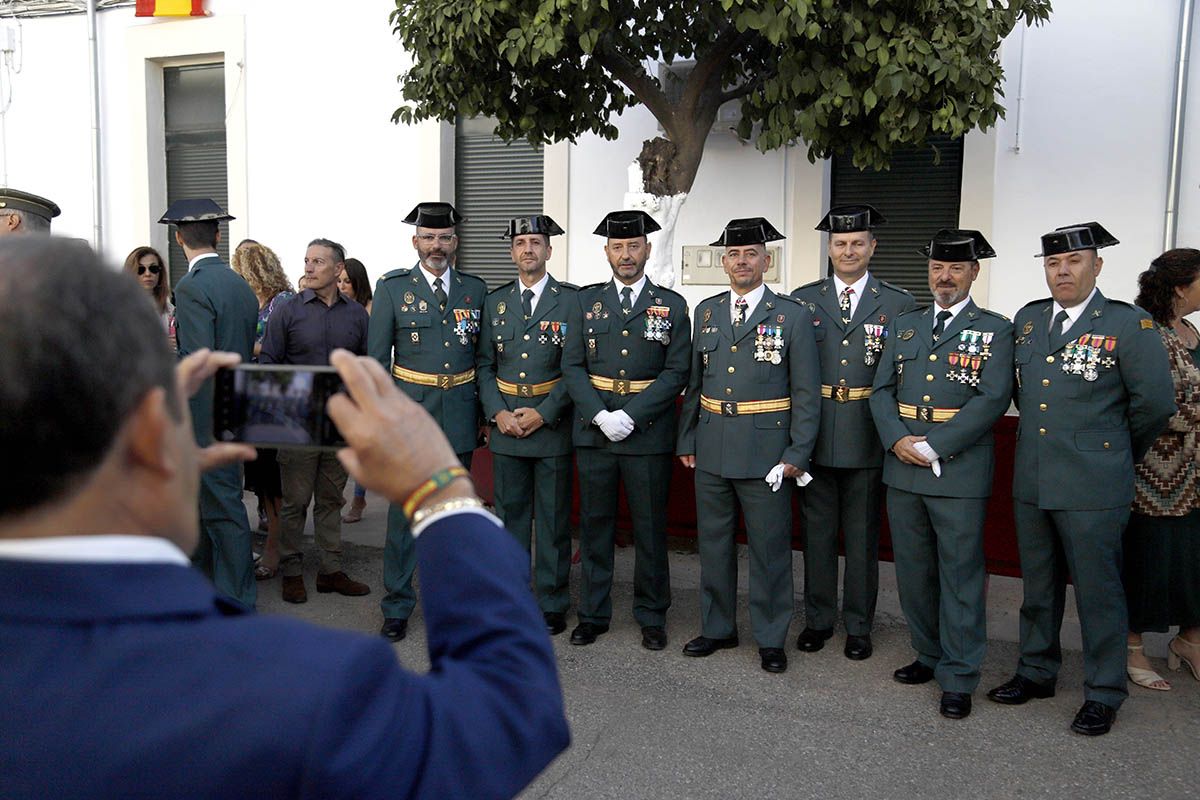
429, 238
153, 269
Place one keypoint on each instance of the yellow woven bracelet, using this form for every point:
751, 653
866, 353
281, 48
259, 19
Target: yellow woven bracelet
437, 480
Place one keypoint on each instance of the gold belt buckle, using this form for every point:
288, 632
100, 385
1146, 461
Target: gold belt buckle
925, 413
841, 393
729, 409
443, 381
620, 386
524, 390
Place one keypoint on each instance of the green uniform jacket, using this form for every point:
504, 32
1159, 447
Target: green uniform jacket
850, 355
971, 369
527, 352
216, 309
1088, 411
650, 343
407, 328
729, 366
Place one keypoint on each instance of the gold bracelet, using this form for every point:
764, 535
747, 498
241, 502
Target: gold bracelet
438, 480
453, 504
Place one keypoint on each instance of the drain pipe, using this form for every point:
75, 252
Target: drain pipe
1171, 223
97, 192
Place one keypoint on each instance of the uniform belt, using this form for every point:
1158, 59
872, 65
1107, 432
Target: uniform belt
844, 394
729, 408
526, 389
433, 379
619, 385
926, 413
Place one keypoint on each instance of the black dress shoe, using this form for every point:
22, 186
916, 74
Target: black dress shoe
586, 632
556, 622
811, 640
955, 705
858, 648
654, 637
1019, 690
394, 629
703, 646
773, 659
1094, 719
914, 673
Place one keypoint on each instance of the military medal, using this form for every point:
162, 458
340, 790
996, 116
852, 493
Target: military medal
410, 298
707, 315
501, 307
422, 306
597, 307
907, 334
1028, 329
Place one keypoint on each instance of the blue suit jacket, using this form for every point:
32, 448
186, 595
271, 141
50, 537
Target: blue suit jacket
123, 680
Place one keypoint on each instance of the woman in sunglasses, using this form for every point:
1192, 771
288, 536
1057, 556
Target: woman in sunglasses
145, 264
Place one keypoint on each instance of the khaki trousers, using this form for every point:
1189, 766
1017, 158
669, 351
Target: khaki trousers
317, 477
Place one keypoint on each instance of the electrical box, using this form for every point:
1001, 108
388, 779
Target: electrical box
702, 266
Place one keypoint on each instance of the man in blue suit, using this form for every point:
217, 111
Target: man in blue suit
215, 309
126, 674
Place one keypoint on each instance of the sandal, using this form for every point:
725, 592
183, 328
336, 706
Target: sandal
1146, 678
355, 513
1180, 649
261, 571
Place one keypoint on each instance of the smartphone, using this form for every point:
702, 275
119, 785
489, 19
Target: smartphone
276, 405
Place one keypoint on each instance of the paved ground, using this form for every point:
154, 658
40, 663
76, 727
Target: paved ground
659, 725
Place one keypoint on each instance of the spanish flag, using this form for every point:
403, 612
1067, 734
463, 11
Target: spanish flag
170, 8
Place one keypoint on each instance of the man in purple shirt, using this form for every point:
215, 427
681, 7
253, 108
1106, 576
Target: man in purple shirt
306, 330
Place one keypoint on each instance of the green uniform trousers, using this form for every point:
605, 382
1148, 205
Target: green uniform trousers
1087, 546
223, 552
529, 489
849, 500
768, 518
400, 560
938, 546
647, 482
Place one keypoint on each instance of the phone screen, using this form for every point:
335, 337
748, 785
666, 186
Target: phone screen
276, 405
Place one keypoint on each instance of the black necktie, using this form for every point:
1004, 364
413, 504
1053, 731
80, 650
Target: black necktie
527, 302
627, 299
1056, 327
439, 293
940, 325
739, 309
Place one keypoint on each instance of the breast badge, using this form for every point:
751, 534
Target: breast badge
1083, 356
873, 340
768, 345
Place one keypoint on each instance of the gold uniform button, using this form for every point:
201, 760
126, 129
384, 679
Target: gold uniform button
1045, 381
589, 329
844, 362
933, 356
929, 378
926, 399
446, 366
1043, 406
729, 391
445, 344
520, 374
624, 333
1107, 445
1049, 359
732, 370
845, 342
621, 373
842, 382
527, 337
733, 348
1042, 431
624, 352
524, 355
900, 356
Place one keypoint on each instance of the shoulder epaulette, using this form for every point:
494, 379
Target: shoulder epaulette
817, 282
895, 288
716, 296
592, 286
1127, 304
996, 314
672, 292
917, 310
565, 285
1037, 302
502, 287
469, 276
396, 273
791, 299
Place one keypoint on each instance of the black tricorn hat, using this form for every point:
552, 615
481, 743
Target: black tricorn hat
850, 219
28, 203
958, 244
433, 215
1084, 236
197, 209
539, 223
751, 230
626, 225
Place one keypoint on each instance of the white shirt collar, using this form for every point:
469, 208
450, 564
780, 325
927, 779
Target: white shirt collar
859, 286
1073, 313
94, 550
192, 263
537, 289
954, 311
752, 298
636, 287
430, 277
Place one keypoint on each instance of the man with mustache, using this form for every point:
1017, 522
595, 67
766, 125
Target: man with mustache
748, 426
944, 379
525, 400
851, 310
1094, 389
424, 326
625, 367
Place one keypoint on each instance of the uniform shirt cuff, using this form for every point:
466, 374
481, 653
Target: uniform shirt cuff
440, 515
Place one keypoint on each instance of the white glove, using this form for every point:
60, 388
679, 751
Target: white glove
931, 456
612, 425
775, 478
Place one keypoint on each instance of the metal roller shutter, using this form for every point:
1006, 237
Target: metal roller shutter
494, 182
917, 196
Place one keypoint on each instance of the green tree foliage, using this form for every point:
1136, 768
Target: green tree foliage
863, 75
